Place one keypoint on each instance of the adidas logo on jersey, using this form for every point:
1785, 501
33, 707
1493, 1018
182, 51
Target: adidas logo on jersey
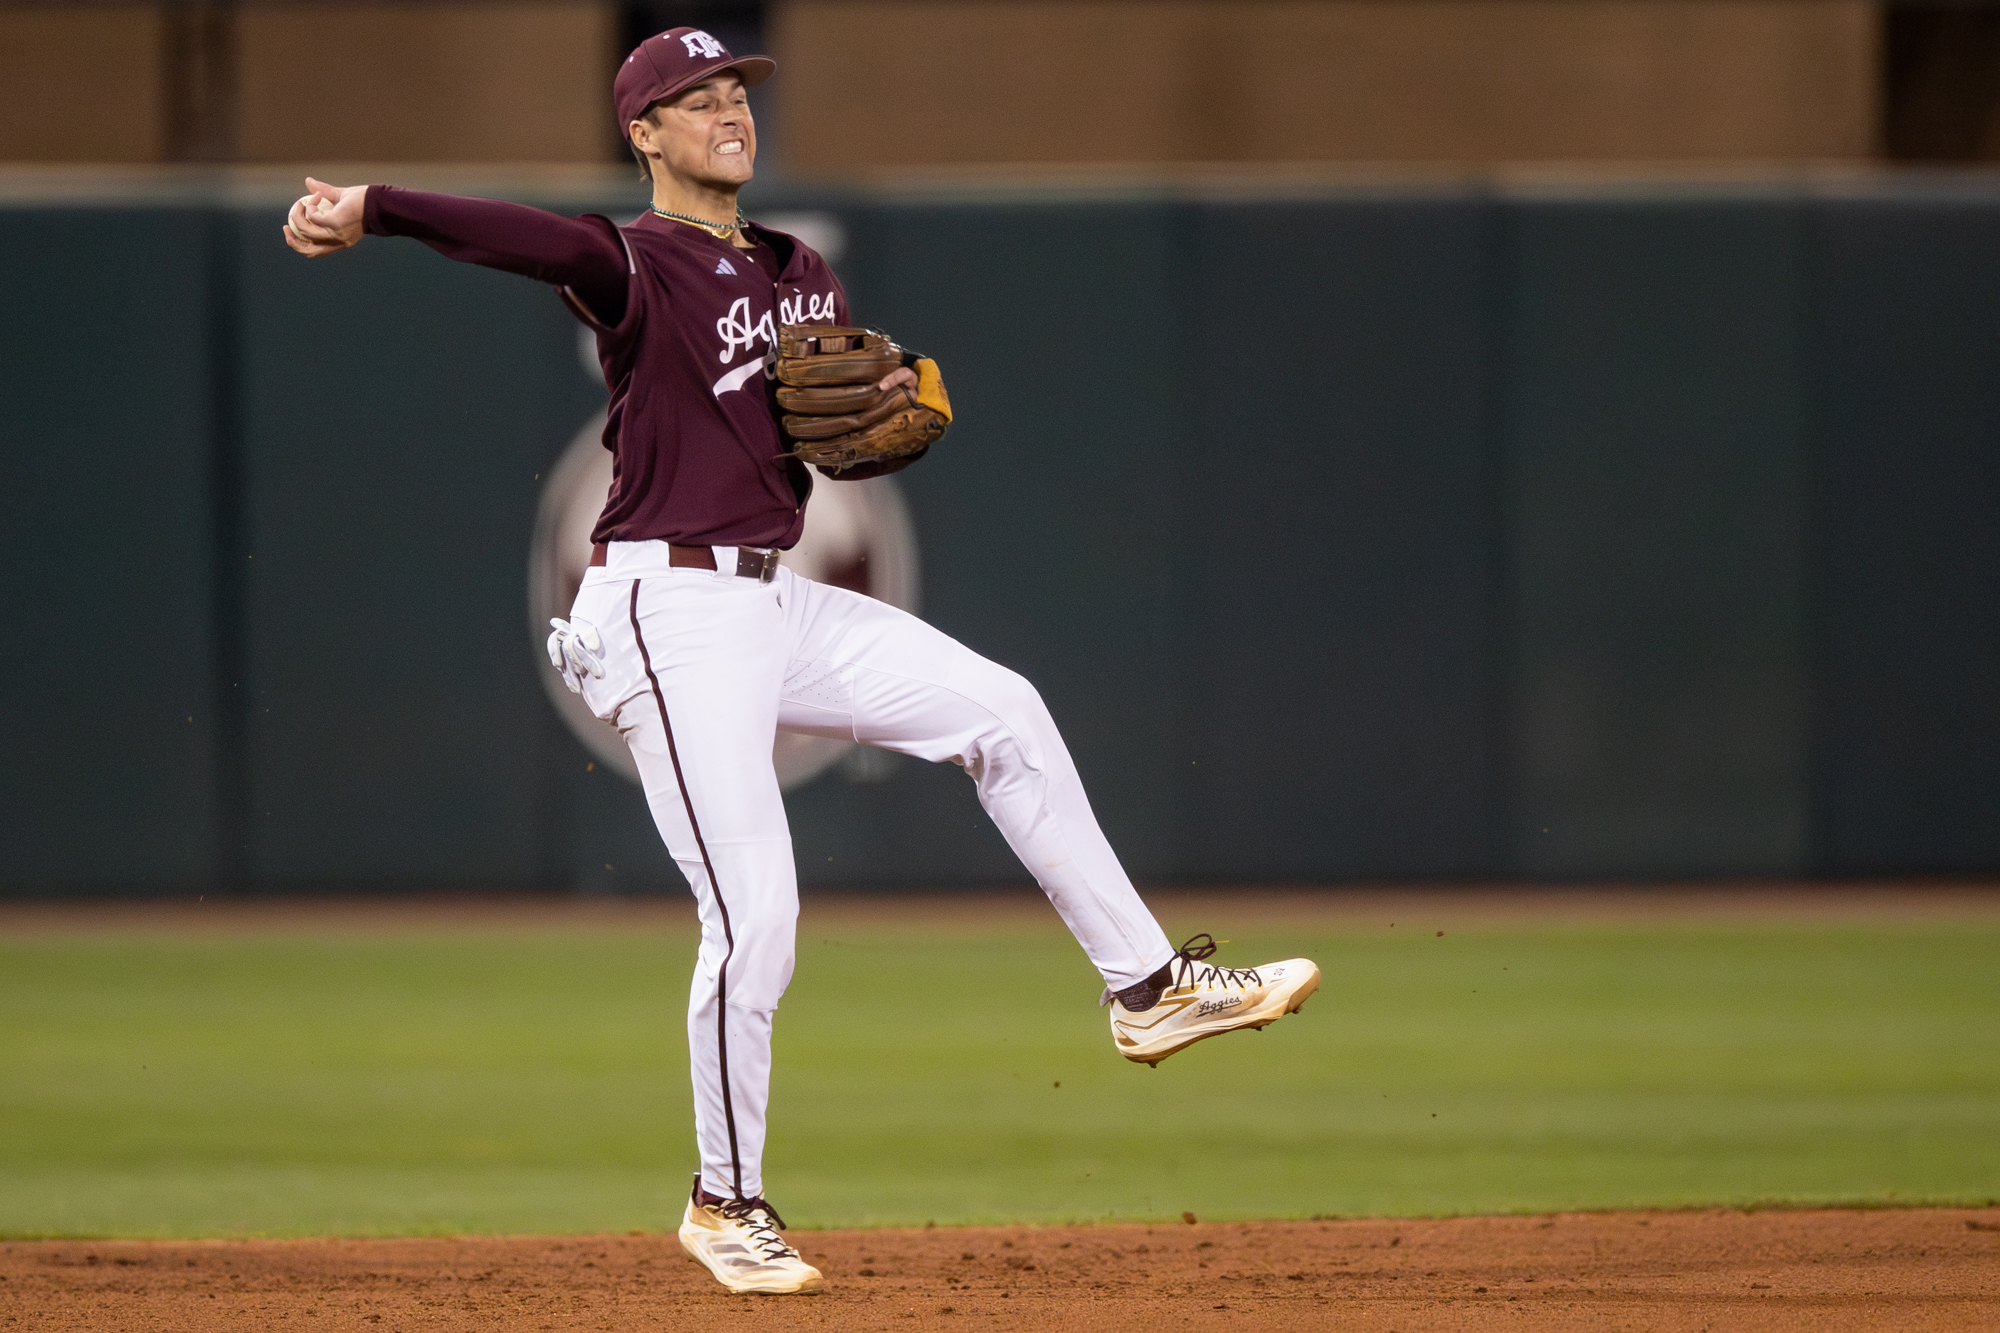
724, 266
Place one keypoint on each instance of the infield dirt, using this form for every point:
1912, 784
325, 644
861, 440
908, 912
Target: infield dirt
1825, 1271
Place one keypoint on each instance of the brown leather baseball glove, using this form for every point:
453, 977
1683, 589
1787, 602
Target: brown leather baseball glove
834, 416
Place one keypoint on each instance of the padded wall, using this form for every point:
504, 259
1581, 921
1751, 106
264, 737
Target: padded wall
1906, 523
1385, 536
1654, 454
106, 390
1341, 531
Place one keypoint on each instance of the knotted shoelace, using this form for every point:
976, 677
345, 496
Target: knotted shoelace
1183, 969
763, 1230
1189, 972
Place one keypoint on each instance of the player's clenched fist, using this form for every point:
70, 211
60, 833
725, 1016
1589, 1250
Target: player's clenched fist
325, 219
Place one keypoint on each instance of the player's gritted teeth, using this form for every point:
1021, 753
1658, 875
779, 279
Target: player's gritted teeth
729, 146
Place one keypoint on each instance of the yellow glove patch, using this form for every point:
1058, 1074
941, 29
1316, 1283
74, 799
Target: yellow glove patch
930, 388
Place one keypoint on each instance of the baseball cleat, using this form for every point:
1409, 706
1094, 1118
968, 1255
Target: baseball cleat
737, 1240
1186, 1001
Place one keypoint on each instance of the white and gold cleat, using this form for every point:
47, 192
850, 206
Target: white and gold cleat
737, 1240
1187, 1001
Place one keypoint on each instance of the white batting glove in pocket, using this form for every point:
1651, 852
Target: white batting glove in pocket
576, 651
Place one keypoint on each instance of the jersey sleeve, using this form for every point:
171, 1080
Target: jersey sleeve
583, 255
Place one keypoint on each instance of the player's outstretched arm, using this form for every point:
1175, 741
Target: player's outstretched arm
582, 254
325, 219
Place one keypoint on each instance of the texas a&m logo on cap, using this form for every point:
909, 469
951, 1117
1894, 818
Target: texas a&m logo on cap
701, 46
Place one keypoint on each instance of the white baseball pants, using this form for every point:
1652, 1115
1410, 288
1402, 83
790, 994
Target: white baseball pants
702, 669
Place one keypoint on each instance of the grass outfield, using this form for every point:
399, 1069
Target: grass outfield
293, 1075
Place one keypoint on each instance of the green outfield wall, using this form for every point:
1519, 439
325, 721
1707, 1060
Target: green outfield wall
1388, 533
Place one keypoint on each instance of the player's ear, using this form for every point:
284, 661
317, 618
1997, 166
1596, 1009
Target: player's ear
639, 137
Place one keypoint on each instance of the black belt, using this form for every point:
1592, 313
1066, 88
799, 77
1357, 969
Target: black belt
752, 562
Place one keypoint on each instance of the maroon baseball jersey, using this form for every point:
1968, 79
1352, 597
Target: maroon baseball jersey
684, 325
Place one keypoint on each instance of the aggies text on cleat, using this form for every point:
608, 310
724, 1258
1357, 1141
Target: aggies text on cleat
737, 1240
1186, 1001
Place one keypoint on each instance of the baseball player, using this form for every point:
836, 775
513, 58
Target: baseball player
690, 637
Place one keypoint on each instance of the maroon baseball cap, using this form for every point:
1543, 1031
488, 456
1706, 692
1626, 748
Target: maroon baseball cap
678, 58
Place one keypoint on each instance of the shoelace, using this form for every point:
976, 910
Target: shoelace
1188, 971
763, 1231
1180, 970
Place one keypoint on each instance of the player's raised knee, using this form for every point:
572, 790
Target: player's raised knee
1011, 696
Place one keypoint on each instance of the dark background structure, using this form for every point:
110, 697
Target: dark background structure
1455, 533
1405, 439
